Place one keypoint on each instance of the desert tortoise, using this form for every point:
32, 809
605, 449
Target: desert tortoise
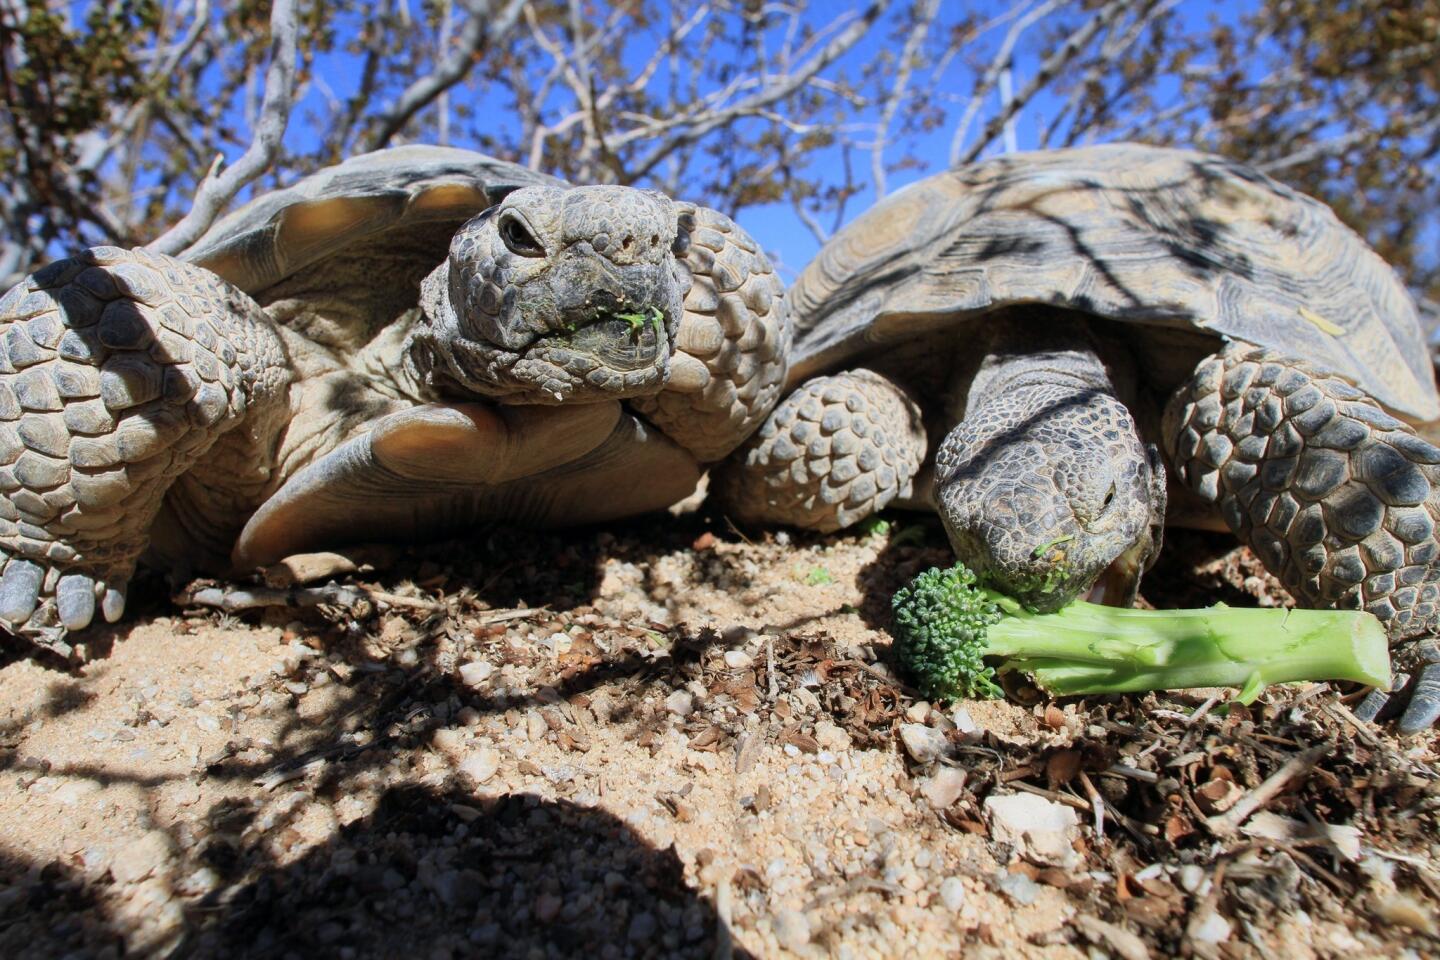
407, 343
1039, 310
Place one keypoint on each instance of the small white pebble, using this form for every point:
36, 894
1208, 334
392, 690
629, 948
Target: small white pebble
738, 659
923, 743
952, 893
792, 929
481, 765
967, 725
476, 672
1190, 877
1213, 929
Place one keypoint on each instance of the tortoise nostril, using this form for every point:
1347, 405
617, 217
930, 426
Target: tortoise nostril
625, 244
654, 239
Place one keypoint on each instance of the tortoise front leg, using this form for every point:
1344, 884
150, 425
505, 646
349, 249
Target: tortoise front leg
732, 344
835, 451
119, 370
1337, 498
441, 468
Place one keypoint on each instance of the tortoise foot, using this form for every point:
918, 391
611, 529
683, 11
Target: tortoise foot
1337, 498
835, 451
45, 602
119, 369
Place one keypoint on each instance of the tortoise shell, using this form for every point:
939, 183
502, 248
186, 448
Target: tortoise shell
359, 235
1159, 238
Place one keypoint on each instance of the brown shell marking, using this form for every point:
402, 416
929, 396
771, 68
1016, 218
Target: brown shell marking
1133, 233
279, 233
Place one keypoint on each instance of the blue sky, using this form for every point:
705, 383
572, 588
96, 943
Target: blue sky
777, 226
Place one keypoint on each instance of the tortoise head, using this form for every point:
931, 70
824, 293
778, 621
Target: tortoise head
1047, 492
557, 295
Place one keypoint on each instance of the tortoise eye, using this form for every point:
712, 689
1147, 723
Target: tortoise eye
518, 237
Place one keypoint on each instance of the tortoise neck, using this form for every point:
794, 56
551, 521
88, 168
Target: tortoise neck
1040, 348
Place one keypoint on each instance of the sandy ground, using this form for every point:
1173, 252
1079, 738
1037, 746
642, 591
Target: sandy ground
664, 739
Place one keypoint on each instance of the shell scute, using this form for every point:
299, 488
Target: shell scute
1144, 235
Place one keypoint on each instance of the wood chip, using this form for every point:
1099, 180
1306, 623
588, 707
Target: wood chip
1125, 944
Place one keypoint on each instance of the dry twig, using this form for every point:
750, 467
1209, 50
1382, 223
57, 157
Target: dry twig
1228, 823
217, 190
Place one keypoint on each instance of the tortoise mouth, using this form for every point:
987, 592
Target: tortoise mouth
1115, 587
602, 346
618, 339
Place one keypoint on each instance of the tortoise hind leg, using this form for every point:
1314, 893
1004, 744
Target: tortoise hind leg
120, 370
835, 451
1337, 498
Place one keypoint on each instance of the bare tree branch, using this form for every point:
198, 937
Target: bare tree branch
1053, 64
109, 111
480, 30
1414, 126
988, 81
698, 125
1111, 49
909, 55
216, 192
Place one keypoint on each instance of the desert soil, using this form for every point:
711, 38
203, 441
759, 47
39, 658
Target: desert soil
666, 739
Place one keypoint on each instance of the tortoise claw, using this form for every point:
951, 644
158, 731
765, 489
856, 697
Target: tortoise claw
75, 601
1414, 696
1423, 708
113, 604
20, 590
1380, 705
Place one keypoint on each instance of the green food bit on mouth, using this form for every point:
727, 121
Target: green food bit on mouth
1045, 548
639, 319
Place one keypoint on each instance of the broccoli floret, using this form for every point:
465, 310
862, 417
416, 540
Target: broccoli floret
947, 625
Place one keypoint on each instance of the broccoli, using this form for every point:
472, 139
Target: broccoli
947, 624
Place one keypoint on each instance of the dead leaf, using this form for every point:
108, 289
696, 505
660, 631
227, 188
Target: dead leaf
1344, 840
802, 742
1125, 944
708, 739
1061, 767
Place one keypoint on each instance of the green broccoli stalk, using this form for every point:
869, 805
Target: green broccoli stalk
946, 625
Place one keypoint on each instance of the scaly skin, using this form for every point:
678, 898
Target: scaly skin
123, 369
835, 451
732, 346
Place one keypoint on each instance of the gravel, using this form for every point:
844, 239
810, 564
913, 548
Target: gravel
792, 929
667, 752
